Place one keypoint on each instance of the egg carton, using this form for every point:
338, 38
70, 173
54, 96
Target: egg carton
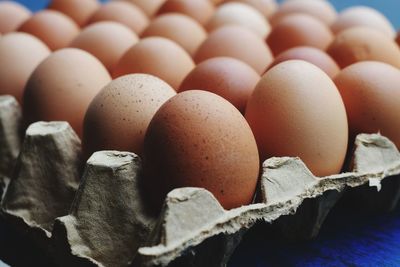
55, 216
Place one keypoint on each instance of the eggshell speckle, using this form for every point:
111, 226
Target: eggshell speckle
79, 10
12, 15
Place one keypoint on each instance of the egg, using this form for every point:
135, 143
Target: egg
122, 12
178, 28
198, 139
230, 78
266, 7
12, 15
20, 54
150, 7
299, 30
363, 44
158, 56
371, 95
54, 28
62, 86
240, 14
363, 16
312, 55
108, 41
118, 117
200, 10
79, 10
296, 110
235, 41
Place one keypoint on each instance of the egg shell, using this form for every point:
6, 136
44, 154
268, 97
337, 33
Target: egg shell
20, 54
158, 56
62, 86
234, 41
150, 7
230, 78
118, 117
363, 44
371, 94
54, 28
198, 139
12, 15
108, 41
79, 10
266, 7
296, 110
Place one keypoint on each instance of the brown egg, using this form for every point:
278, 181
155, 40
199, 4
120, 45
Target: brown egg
371, 94
79, 10
118, 117
150, 7
62, 86
363, 16
122, 12
240, 14
12, 15
266, 7
200, 10
230, 78
299, 30
158, 56
312, 55
54, 28
108, 41
20, 54
178, 28
296, 110
198, 139
216, 2
320, 9
361, 44
236, 41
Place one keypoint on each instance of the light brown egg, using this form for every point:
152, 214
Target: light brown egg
239, 14
296, 110
266, 7
122, 12
150, 7
363, 16
299, 30
235, 41
179, 28
20, 54
158, 56
312, 55
198, 139
107, 40
54, 28
118, 117
62, 87
12, 15
371, 94
200, 10
361, 44
230, 78
79, 10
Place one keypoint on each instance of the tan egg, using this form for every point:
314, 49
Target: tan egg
12, 15
122, 12
118, 117
239, 14
363, 16
62, 87
79, 10
216, 2
200, 10
296, 110
198, 139
158, 56
150, 7
181, 29
371, 94
230, 78
312, 55
108, 41
231, 41
362, 44
299, 30
20, 54
266, 7
320, 9
54, 28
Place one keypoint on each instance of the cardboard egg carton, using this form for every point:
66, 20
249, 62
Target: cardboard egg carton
99, 218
